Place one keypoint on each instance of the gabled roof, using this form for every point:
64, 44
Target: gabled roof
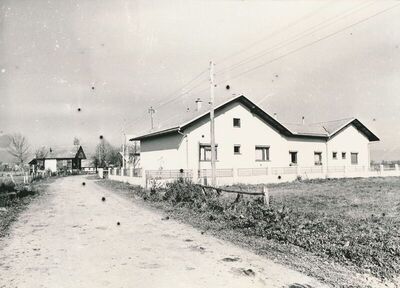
75, 152
189, 118
330, 128
323, 130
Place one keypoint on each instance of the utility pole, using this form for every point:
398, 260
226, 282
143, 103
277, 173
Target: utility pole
123, 151
212, 127
151, 111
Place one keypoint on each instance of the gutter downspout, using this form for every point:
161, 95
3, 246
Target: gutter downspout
327, 158
326, 152
187, 148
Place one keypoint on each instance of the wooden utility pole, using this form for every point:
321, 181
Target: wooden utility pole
123, 151
212, 127
151, 111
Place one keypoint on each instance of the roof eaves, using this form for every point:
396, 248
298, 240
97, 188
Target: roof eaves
157, 133
368, 133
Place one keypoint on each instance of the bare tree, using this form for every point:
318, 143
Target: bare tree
19, 148
134, 153
41, 152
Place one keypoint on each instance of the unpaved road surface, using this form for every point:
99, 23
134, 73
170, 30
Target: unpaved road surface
70, 238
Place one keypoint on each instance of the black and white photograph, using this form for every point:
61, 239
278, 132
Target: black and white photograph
199, 143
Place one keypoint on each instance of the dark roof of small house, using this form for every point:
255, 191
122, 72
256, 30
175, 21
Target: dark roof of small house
59, 153
323, 130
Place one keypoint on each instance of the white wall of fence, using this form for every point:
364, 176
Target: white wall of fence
148, 178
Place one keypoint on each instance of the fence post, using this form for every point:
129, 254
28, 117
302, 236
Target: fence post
265, 195
381, 168
109, 171
234, 172
131, 171
396, 168
121, 172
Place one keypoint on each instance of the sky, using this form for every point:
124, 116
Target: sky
324, 60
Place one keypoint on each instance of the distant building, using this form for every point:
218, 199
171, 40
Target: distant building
60, 160
248, 137
88, 166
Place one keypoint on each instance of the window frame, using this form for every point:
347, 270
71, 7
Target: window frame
237, 146
351, 158
201, 147
320, 160
239, 123
344, 156
334, 155
267, 154
292, 152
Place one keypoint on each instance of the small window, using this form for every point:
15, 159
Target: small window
354, 158
236, 122
343, 155
236, 149
318, 158
293, 157
205, 152
334, 155
262, 153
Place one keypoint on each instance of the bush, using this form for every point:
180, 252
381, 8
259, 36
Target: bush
25, 191
184, 191
6, 187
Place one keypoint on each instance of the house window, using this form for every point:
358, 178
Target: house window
236, 149
343, 155
334, 155
236, 122
293, 157
205, 152
354, 158
317, 158
262, 153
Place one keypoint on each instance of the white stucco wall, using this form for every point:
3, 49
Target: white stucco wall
162, 153
50, 164
349, 140
175, 151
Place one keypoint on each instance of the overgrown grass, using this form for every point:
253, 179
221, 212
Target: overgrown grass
351, 222
18, 200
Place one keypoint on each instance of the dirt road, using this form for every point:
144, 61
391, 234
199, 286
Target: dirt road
70, 238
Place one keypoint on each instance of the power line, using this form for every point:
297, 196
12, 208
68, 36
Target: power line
177, 97
176, 91
201, 73
239, 52
308, 15
286, 42
314, 42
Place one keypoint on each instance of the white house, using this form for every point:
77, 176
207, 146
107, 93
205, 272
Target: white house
250, 142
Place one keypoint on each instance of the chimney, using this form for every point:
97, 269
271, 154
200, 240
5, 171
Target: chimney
302, 120
276, 116
198, 104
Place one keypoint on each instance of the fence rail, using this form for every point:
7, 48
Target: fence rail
218, 172
259, 174
284, 170
336, 169
311, 170
169, 174
243, 172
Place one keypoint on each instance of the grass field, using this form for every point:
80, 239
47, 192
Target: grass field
344, 232
19, 179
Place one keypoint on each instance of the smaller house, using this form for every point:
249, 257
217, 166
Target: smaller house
60, 160
88, 166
